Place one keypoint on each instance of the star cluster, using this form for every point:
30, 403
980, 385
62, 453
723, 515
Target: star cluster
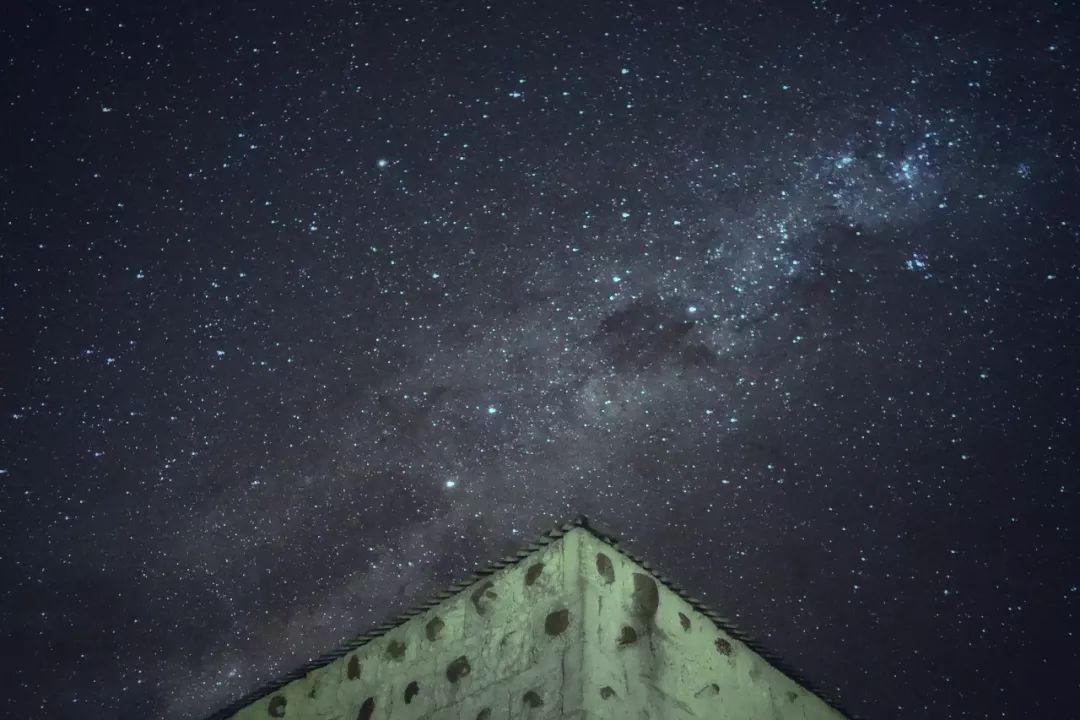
309, 309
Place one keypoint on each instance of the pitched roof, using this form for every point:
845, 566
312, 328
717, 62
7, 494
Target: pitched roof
579, 521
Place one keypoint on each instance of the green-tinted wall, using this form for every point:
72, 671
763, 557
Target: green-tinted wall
575, 630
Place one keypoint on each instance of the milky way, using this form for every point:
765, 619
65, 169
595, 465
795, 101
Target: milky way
309, 311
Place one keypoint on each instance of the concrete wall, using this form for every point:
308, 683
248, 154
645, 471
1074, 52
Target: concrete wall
575, 631
649, 654
509, 646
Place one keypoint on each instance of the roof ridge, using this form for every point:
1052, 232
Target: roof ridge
560, 529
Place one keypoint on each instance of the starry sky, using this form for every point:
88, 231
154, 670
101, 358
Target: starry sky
309, 309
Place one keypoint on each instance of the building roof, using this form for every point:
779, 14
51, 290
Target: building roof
580, 521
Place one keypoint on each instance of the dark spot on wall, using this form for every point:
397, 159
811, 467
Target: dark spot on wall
755, 673
556, 622
684, 621
410, 691
791, 696
605, 568
533, 573
313, 691
276, 708
395, 650
724, 647
366, 710
434, 627
607, 692
483, 596
353, 671
484, 714
533, 699
458, 669
710, 690
628, 636
646, 597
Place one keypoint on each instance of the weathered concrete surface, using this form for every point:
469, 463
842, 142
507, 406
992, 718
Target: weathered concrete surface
649, 654
575, 630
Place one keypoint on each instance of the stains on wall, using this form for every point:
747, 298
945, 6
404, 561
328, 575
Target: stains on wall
483, 597
556, 622
458, 669
645, 599
644, 660
276, 708
605, 569
395, 650
533, 573
434, 628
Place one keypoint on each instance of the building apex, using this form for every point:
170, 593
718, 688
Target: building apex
485, 589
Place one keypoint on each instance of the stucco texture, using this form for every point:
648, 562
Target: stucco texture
575, 630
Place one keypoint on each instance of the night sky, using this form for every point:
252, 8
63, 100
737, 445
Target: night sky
308, 310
